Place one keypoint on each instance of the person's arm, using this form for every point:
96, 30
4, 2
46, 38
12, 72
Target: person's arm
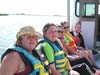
78, 52
10, 64
68, 65
70, 50
53, 70
49, 52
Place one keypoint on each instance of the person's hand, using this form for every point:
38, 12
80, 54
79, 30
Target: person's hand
53, 70
79, 53
82, 53
72, 72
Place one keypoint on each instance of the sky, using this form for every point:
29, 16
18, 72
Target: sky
35, 7
9, 25
42, 7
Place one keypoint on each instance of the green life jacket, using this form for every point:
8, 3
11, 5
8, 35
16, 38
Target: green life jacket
59, 57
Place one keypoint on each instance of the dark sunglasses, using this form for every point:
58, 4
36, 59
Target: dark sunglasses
60, 31
66, 27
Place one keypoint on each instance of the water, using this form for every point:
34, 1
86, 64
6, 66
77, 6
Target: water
9, 26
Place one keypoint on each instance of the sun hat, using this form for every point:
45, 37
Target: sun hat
28, 30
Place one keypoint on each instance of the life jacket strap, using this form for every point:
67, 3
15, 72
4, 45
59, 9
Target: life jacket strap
59, 53
36, 66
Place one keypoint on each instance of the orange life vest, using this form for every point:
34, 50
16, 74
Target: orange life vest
71, 41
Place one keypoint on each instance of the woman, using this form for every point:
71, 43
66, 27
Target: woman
76, 62
78, 38
71, 42
19, 60
68, 39
52, 48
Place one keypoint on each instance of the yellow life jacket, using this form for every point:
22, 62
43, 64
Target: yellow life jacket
60, 60
71, 41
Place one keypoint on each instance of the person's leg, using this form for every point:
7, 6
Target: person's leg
80, 61
90, 55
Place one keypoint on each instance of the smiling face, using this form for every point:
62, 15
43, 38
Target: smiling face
65, 28
29, 42
60, 32
78, 28
51, 33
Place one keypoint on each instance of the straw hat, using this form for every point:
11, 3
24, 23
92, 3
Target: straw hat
28, 30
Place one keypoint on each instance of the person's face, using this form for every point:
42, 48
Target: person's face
65, 28
29, 42
51, 33
60, 32
78, 28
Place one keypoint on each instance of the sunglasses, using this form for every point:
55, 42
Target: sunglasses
66, 27
60, 31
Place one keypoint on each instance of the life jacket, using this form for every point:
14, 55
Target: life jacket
38, 67
60, 60
28, 66
80, 38
71, 41
76, 38
43, 58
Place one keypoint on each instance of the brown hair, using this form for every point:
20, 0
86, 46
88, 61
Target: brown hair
78, 23
18, 41
62, 23
47, 26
